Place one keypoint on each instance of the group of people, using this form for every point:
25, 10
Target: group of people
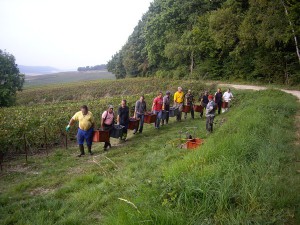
160, 107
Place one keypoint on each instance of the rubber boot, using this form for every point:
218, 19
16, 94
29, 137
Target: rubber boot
81, 148
90, 149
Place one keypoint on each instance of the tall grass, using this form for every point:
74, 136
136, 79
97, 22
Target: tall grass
243, 174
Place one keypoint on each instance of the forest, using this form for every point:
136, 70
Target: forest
237, 40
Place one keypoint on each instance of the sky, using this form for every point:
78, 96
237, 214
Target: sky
66, 34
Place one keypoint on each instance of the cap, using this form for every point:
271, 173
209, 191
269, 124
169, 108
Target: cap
168, 92
110, 106
210, 97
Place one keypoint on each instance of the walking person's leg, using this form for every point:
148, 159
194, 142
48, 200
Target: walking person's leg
158, 118
167, 117
192, 111
219, 107
80, 140
89, 139
141, 123
207, 124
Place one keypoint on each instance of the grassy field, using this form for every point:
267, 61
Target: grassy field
66, 77
243, 174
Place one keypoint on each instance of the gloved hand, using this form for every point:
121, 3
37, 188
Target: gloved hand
68, 128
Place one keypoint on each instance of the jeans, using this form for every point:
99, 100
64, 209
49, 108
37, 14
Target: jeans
209, 123
141, 124
85, 135
158, 117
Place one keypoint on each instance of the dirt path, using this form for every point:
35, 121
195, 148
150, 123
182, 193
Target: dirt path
258, 88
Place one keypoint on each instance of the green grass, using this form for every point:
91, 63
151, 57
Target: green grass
65, 77
243, 174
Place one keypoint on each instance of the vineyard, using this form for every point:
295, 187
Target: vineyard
244, 173
50, 108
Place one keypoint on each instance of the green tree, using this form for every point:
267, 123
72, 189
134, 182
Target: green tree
11, 80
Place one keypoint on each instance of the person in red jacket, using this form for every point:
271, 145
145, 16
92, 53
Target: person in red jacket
157, 109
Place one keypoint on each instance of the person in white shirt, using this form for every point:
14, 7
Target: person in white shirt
227, 97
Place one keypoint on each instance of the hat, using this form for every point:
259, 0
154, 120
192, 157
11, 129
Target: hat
210, 97
189, 90
110, 106
168, 92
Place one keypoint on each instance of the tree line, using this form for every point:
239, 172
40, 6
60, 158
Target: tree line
89, 68
214, 39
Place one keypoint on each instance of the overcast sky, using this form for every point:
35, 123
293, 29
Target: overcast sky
67, 34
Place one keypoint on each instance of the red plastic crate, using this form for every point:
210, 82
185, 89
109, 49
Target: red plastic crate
193, 143
149, 118
198, 108
101, 136
133, 123
186, 108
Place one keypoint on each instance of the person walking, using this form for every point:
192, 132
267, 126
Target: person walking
210, 113
107, 123
178, 102
166, 108
219, 99
85, 128
157, 109
203, 102
189, 101
123, 118
227, 96
139, 112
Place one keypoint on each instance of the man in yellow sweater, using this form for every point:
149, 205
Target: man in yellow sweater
178, 102
85, 130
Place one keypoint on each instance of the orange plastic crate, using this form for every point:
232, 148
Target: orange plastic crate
193, 143
101, 136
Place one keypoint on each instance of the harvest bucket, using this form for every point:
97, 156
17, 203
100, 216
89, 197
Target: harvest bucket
186, 108
133, 123
101, 136
193, 143
224, 105
173, 111
198, 108
149, 118
116, 131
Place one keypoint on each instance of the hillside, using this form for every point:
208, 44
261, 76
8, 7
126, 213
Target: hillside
66, 77
223, 40
244, 173
37, 70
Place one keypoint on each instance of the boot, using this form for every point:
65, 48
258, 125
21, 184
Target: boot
81, 148
90, 149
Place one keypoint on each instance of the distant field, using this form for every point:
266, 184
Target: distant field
66, 77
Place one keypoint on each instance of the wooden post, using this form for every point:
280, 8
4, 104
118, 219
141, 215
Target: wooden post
25, 147
45, 140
